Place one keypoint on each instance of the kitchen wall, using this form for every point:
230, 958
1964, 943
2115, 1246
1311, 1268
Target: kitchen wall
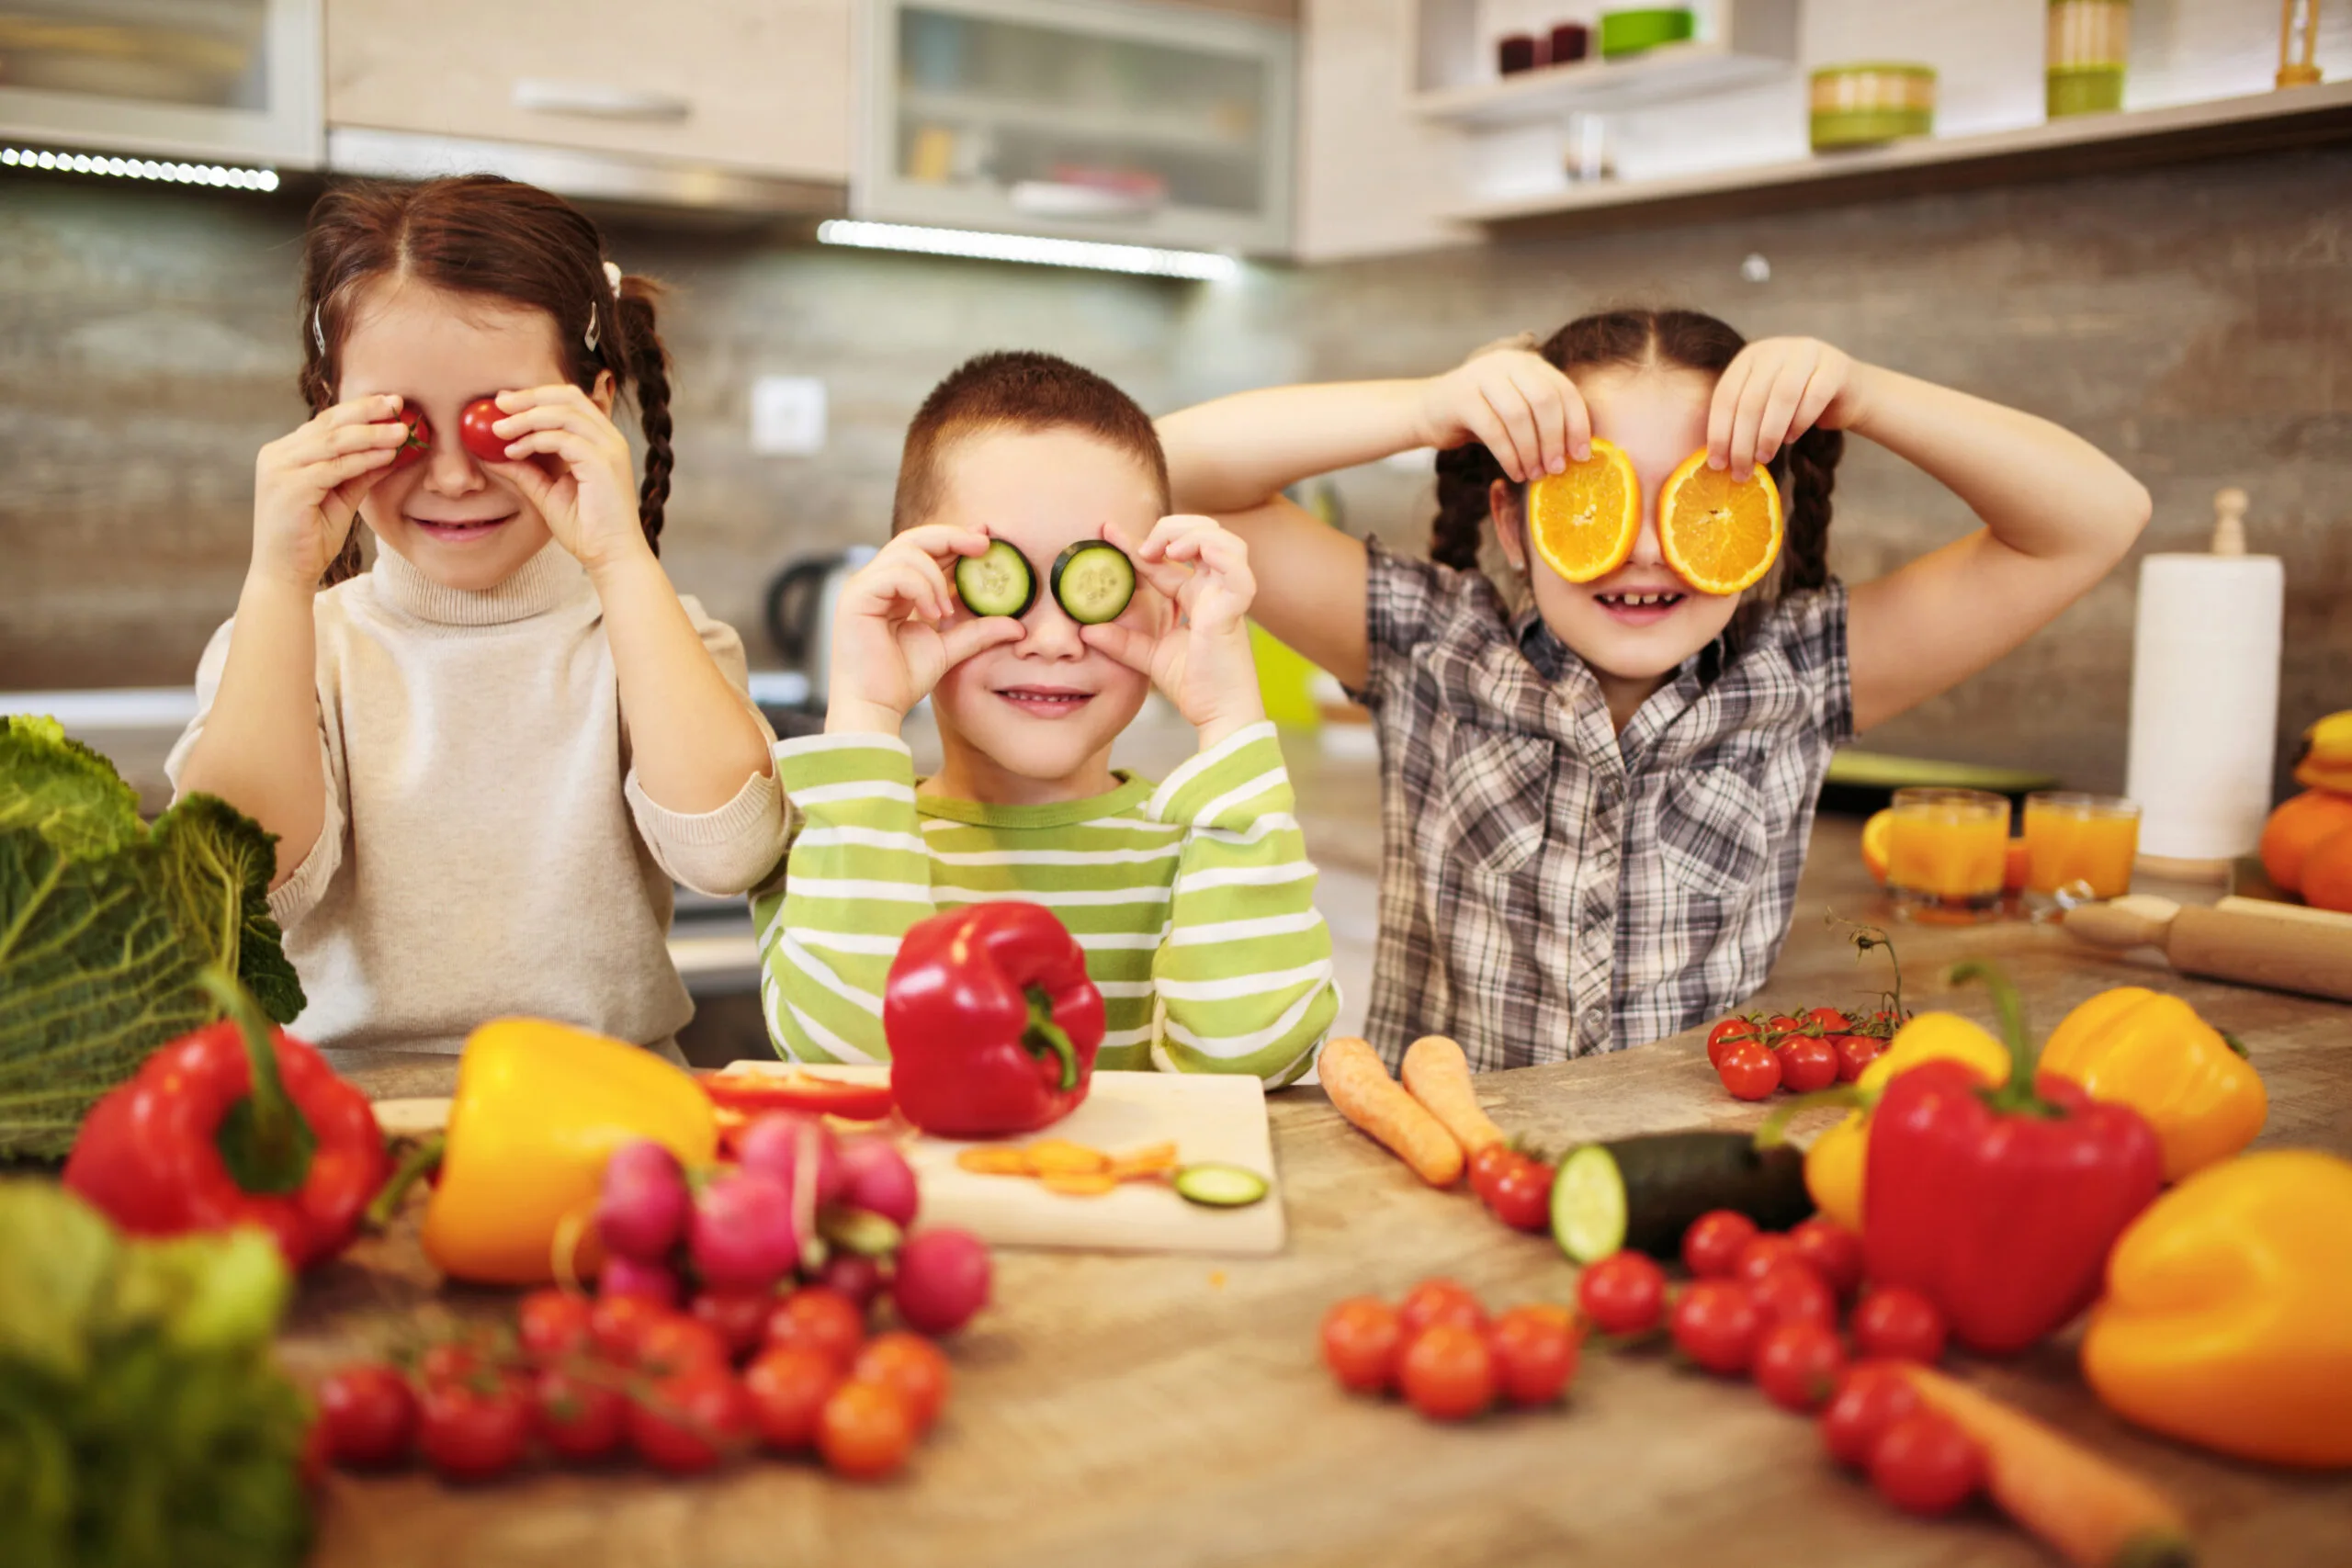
2197, 322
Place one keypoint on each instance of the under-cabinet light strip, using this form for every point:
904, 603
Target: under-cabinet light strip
1102, 256
222, 176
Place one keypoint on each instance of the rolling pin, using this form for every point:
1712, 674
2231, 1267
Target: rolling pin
2254, 943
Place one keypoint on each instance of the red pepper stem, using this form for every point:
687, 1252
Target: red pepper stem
277, 1146
2017, 1093
1044, 1034
419, 1162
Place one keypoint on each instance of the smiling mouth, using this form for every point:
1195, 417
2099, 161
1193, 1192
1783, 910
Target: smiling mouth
459, 530
1664, 599
1046, 702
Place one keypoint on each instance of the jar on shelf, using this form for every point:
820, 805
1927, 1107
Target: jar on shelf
2090, 42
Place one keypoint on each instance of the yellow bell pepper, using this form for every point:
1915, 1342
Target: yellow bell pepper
2227, 1316
2152, 1053
1834, 1165
539, 1108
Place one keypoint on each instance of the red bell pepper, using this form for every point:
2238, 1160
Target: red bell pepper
2000, 1204
235, 1124
991, 1020
753, 1093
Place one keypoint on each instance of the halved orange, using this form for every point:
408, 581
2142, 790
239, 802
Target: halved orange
1719, 533
1878, 834
1584, 521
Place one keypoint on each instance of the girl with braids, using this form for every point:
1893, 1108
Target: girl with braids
486, 757
1595, 798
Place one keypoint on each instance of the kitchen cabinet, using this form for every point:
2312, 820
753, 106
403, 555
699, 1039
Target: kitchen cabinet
756, 87
1155, 125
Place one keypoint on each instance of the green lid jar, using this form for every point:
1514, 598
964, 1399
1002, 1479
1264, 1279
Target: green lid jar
2089, 45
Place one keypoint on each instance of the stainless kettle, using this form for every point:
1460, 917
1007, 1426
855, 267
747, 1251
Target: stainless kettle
801, 600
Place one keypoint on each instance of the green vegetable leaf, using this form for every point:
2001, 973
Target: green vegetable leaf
57, 1260
66, 792
217, 867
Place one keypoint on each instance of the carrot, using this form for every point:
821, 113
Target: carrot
1438, 1074
1358, 1082
2092, 1513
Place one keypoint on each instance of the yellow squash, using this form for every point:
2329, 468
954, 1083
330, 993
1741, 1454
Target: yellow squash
2152, 1053
2227, 1316
539, 1108
1833, 1166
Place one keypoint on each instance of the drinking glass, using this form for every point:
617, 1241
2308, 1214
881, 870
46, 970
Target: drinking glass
2079, 848
1946, 852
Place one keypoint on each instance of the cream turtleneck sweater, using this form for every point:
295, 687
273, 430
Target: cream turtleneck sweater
486, 850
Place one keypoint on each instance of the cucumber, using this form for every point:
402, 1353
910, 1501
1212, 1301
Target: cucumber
998, 582
1093, 581
1644, 1192
1220, 1185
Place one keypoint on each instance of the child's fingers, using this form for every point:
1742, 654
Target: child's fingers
1486, 427
330, 473
1747, 419
939, 542
1547, 401
374, 408
1518, 424
1125, 644
1723, 409
965, 639
582, 418
1778, 423
1820, 390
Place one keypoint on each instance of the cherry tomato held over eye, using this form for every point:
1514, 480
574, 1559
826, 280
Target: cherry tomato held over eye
788, 1388
366, 1415
417, 444
912, 1367
1871, 1397
1925, 1464
1835, 1252
1535, 1348
1362, 1339
865, 1432
1448, 1373
470, 1434
1749, 1071
551, 1324
1791, 1293
1488, 1167
1727, 1033
1762, 1254
1622, 1293
1523, 1196
691, 1420
1433, 1302
1710, 1247
1807, 1063
1798, 1365
474, 431
1856, 1052
1898, 1324
1716, 1324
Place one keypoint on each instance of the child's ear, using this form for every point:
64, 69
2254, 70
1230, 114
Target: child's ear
602, 393
1503, 511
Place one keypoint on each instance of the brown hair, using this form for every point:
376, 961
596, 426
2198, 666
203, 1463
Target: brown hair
498, 239
1805, 469
1018, 390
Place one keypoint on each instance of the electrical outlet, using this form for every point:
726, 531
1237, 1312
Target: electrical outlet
788, 417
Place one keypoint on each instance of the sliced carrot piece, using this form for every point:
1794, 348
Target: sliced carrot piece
1060, 1156
994, 1160
1079, 1183
1156, 1160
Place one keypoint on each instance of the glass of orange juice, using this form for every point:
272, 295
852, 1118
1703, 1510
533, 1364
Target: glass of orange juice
2079, 848
1946, 852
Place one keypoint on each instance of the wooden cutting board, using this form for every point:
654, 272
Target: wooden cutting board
1206, 1116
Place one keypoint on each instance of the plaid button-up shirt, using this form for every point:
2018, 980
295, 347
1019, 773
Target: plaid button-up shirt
1550, 888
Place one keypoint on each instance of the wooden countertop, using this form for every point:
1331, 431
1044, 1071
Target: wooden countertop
1147, 1411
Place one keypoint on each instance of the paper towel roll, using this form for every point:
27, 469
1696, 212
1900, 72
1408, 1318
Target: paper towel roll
2205, 703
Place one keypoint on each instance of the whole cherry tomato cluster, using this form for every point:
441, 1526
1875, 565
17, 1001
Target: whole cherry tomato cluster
1755, 1055
1515, 1185
1451, 1361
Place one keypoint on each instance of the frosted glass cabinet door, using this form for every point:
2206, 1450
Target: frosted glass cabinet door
1096, 119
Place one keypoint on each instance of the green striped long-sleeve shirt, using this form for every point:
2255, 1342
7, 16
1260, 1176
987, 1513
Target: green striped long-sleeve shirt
1193, 900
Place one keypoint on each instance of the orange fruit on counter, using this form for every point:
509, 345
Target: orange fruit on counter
1875, 834
1583, 522
2327, 873
1719, 533
2296, 829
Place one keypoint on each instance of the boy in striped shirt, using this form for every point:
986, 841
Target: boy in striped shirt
1193, 898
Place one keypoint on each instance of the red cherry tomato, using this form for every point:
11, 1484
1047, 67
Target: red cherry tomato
1829, 1020
1762, 1254
912, 1367
1535, 1349
473, 1434
1716, 1324
1779, 1027
820, 1317
1834, 1252
474, 431
551, 1324
614, 1323
1448, 1371
1622, 1293
1925, 1464
1899, 1325
738, 1318
1871, 1397
417, 444
788, 1388
1729, 1032
366, 1415
1791, 1293
690, 1420
1522, 1197
676, 1343
1487, 1168
1856, 1052
450, 1361
1798, 1365
1809, 1063
1710, 1247
576, 1416
316, 1458
1362, 1337
1749, 1071
865, 1432
1433, 1302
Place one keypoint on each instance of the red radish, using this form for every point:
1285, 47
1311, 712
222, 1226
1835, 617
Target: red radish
742, 1234
859, 1279
879, 1180
641, 1212
942, 1280
777, 1145
655, 1283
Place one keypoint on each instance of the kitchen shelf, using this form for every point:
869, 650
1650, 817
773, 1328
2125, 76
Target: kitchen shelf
1670, 74
2076, 145
1099, 125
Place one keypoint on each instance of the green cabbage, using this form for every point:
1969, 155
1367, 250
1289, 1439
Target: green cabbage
104, 924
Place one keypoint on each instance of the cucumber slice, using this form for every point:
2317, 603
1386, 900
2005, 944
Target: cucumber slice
1093, 581
998, 581
1644, 1192
1220, 1185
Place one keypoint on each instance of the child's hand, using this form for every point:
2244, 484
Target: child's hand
1529, 415
1772, 392
895, 629
308, 485
1200, 660
590, 503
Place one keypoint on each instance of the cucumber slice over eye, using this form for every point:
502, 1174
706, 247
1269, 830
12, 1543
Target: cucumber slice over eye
998, 582
1093, 581
1218, 1186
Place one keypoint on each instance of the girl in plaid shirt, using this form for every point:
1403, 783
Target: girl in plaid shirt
1596, 796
